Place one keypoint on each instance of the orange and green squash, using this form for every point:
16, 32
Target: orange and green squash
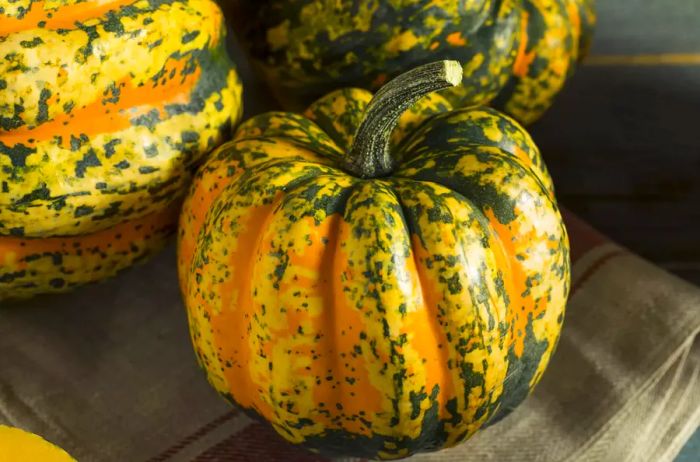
375, 277
20, 446
106, 107
516, 54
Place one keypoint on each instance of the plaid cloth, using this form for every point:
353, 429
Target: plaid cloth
108, 373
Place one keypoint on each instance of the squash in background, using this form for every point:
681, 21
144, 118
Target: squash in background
105, 109
373, 289
516, 54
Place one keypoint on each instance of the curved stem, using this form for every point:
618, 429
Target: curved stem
369, 155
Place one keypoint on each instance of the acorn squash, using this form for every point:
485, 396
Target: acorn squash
516, 54
379, 276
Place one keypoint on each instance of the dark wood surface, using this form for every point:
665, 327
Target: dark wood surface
623, 140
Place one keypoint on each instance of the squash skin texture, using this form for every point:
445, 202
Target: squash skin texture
374, 318
105, 110
516, 54
61, 264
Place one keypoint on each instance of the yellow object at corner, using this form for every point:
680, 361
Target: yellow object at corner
19, 446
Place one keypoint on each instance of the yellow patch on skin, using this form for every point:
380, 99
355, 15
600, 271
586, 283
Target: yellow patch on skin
339, 105
493, 133
402, 42
476, 62
278, 37
335, 25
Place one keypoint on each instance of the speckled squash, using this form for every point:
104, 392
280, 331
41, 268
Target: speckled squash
106, 106
374, 288
516, 54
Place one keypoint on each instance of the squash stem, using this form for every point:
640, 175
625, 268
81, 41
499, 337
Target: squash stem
369, 155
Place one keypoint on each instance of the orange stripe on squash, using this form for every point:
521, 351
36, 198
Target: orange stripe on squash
19, 248
515, 280
426, 327
99, 117
523, 59
456, 39
238, 307
64, 17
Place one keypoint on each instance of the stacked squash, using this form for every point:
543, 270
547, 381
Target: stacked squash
515, 54
106, 107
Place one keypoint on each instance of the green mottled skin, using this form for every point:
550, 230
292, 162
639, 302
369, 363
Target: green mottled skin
305, 48
375, 318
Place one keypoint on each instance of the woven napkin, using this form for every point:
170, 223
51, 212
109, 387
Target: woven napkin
108, 373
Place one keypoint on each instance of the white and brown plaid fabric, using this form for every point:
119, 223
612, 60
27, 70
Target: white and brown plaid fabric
108, 373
